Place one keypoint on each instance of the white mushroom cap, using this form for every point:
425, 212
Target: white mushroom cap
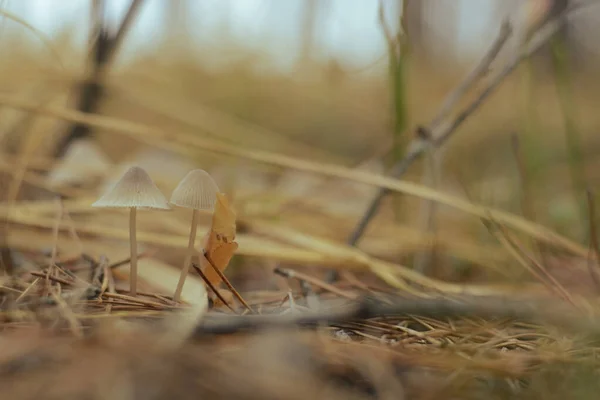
135, 189
196, 190
164, 166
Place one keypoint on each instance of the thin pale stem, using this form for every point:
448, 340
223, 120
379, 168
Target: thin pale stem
188, 256
133, 251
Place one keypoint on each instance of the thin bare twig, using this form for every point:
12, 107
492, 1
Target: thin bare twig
439, 135
288, 273
538, 312
545, 276
126, 261
28, 290
136, 300
480, 71
433, 167
104, 47
424, 136
51, 278
119, 36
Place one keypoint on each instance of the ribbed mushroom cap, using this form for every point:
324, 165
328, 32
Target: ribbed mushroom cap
164, 166
135, 189
196, 190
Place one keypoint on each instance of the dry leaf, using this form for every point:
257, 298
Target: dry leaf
220, 241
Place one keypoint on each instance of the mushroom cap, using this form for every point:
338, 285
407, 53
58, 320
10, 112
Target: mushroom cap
196, 190
135, 189
164, 166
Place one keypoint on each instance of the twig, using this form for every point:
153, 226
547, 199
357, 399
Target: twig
136, 300
440, 135
432, 308
539, 272
211, 286
424, 137
505, 242
547, 278
104, 48
52, 278
480, 71
119, 36
432, 168
224, 279
126, 261
27, 290
288, 273
39, 34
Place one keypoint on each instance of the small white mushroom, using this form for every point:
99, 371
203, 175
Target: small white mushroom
198, 191
134, 190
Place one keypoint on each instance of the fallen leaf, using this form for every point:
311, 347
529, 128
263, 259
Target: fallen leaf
220, 240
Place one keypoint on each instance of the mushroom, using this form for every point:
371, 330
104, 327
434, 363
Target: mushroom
134, 190
198, 191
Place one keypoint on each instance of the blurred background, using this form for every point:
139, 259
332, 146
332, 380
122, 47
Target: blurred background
297, 108
317, 80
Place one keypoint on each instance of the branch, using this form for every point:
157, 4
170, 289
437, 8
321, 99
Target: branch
104, 49
119, 36
369, 308
475, 75
432, 171
435, 136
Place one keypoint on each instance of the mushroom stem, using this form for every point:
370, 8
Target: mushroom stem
133, 251
188, 256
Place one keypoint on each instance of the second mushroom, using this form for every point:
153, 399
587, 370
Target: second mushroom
197, 191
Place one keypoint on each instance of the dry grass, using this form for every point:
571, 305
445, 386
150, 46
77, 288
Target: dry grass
286, 151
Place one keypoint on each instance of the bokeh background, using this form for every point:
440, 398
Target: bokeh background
311, 79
